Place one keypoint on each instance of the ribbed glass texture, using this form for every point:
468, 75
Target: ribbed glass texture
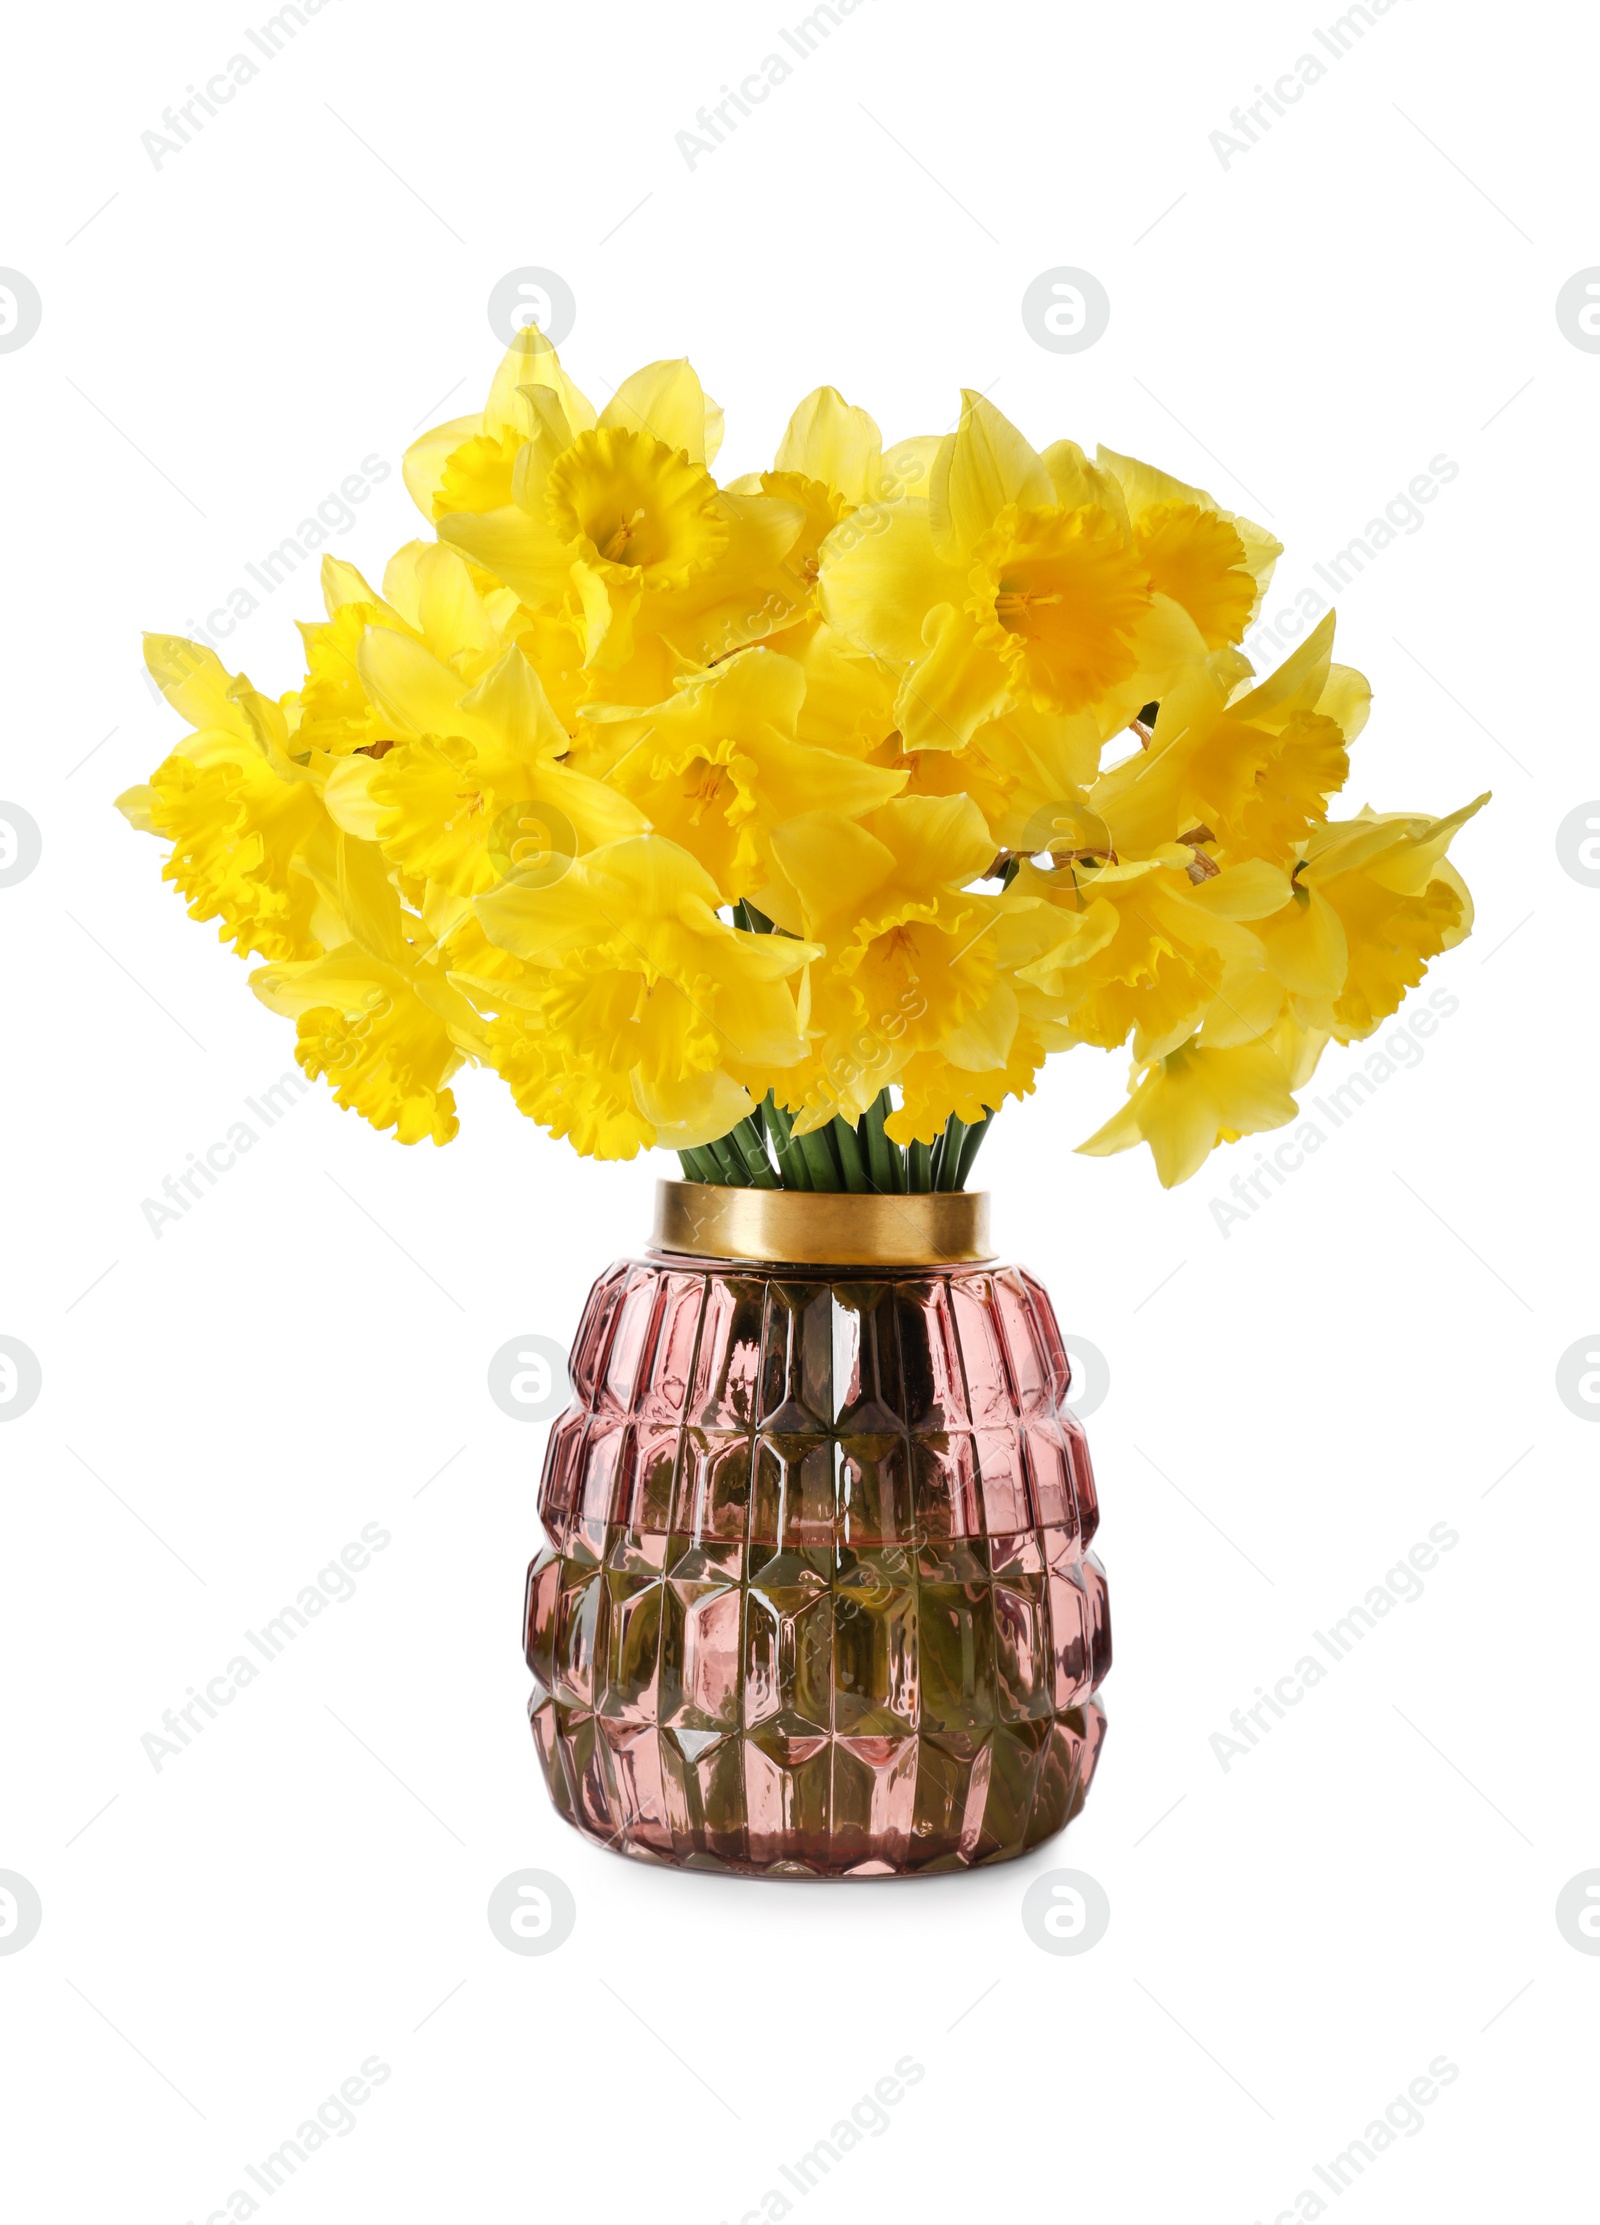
819, 1600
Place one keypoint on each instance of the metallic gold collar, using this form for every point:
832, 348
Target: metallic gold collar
817, 1228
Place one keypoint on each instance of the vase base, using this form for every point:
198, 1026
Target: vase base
919, 1806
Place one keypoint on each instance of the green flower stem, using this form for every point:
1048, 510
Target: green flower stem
747, 1140
792, 1170
730, 1167
971, 1147
821, 1164
763, 1152
881, 1153
897, 1160
947, 1173
847, 1144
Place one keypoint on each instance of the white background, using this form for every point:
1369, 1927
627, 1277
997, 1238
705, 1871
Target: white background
1292, 1940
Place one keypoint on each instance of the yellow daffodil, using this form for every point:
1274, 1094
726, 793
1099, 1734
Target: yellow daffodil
1028, 771
1187, 1103
1251, 766
429, 596
1216, 564
934, 1090
829, 462
462, 767
791, 823
466, 464
643, 1017
720, 764
1015, 582
970, 1075
377, 1017
1152, 949
612, 524
241, 816
1397, 900
910, 960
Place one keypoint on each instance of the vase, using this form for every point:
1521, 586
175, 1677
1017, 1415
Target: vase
817, 1599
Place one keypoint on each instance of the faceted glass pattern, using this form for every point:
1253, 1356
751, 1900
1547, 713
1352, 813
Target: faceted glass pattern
819, 1600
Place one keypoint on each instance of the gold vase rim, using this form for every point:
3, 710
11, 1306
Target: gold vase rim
822, 1228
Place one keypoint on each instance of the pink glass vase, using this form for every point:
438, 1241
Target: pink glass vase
818, 1600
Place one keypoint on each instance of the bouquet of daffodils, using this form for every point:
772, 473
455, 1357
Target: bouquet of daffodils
790, 823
